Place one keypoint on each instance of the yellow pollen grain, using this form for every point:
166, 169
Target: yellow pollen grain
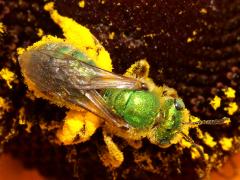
111, 35
226, 143
81, 38
45, 39
149, 35
185, 143
208, 140
229, 92
21, 116
215, 102
20, 50
195, 154
194, 33
232, 108
40, 32
199, 133
81, 4
2, 28
189, 40
194, 119
4, 104
138, 28
203, 11
227, 120
8, 76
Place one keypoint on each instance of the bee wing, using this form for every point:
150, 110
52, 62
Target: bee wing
105, 111
105, 80
93, 102
68, 81
87, 76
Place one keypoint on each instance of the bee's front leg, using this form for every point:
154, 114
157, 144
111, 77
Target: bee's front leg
138, 70
78, 127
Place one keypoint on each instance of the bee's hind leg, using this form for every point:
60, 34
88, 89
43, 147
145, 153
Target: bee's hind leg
78, 127
111, 156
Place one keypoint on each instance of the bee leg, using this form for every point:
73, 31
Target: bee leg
112, 156
78, 127
139, 70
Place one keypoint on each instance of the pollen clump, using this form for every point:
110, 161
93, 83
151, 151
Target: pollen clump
21, 116
215, 102
111, 35
185, 143
199, 133
20, 50
40, 32
78, 127
4, 107
189, 40
226, 143
4, 104
22, 120
232, 108
2, 28
81, 37
227, 121
8, 76
229, 92
203, 11
81, 4
195, 153
208, 140
43, 41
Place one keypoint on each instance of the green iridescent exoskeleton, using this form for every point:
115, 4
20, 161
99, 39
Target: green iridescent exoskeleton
138, 108
61, 50
172, 114
145, 110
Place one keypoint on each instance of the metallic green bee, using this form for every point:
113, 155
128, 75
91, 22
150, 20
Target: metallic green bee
132, 107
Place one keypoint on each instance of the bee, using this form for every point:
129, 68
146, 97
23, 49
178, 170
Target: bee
132, 107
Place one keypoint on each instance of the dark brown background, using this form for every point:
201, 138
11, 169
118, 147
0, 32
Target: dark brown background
197, 70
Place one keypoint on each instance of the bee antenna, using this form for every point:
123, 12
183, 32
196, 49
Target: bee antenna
193, 144
224, 120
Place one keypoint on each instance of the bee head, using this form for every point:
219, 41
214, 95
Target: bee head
173, 123
169, 121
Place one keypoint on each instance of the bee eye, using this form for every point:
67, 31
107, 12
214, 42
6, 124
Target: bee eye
179, 105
